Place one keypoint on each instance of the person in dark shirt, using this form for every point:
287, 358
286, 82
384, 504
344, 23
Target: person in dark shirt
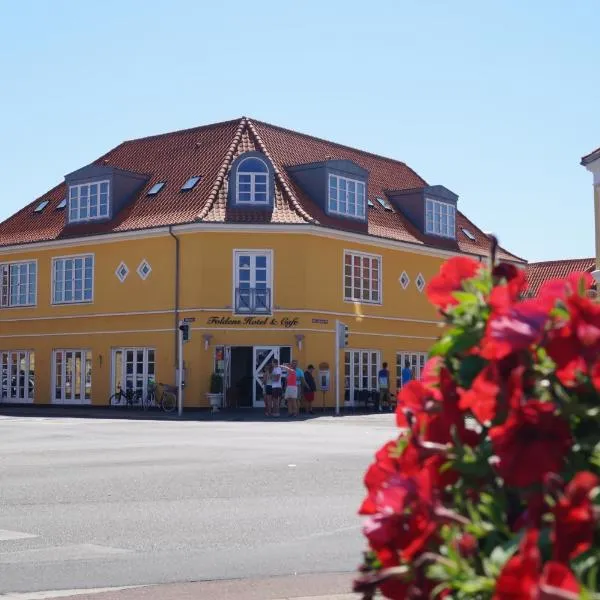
310, 387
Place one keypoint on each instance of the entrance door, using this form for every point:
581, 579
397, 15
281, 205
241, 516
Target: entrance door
263, 355
17, 376
133, 368
360, 371
72, 376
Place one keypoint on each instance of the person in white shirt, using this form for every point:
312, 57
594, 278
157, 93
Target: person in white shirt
276, 387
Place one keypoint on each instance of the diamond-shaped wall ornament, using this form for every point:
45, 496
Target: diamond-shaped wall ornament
420, 282
404, 280
122, 272
144, 269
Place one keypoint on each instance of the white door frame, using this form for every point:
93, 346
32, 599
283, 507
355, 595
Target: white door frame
272, 353
352, 375
145, 371
74, 352
8, 360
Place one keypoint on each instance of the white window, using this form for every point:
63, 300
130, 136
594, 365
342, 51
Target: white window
133, 370
18, 284
72, 376
253, 281
252, 181
346, 197
72, 279
17, 376
362, 277
440, 218
360, 374
88, 201
416, 361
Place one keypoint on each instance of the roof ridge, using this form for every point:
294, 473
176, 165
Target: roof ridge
180, 131
339, 145
297, 206
560, 260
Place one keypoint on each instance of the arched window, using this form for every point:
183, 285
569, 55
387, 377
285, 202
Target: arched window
252, 181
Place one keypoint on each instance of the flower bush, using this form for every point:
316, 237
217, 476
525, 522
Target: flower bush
489, 491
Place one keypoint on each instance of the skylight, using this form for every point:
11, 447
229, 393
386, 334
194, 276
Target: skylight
190, 183
41, 206
370, 203
468, 233
384, 203
157, 187
62, 204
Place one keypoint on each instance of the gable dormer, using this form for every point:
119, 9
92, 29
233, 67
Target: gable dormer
339, 187
432, 209
99, 192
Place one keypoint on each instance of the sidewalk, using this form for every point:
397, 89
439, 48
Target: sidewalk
323, 586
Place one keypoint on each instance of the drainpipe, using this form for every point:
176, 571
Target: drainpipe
176, 321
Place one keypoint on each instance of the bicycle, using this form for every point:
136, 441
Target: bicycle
168, 399
128, 398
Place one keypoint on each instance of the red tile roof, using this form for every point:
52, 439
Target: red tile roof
539, 272
209, 151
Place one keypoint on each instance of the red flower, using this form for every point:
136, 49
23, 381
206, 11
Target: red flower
440, 290
532, 441
482, 397
558, 583
519, 578
574, 518
515, 278
467, 545
412, 398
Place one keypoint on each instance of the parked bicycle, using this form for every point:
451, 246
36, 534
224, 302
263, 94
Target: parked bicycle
166, 401
127, 398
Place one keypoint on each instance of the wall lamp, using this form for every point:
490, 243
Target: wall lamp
206, 337
299, 340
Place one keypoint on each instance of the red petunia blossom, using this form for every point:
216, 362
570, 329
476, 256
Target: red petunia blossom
532, 442
558, 582
559, 289
440, 290
574, 519
519, 577
482, 397
413, 399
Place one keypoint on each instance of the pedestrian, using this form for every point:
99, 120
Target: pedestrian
406, 373
310, 387
268, 381
384, 387
291, 391
299, 383
276, 387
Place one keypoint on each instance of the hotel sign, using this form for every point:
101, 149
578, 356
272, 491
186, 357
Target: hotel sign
285, 322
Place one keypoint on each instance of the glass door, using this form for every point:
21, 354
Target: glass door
263, 355
17, 376
360, 374
133, 369
72, 375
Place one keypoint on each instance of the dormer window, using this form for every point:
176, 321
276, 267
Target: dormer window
252, 181
88, 201
440, 218
346, 196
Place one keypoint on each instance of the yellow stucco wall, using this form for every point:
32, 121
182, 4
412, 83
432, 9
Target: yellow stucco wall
307, 296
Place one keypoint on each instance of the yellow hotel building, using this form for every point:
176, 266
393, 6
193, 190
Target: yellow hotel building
263, 236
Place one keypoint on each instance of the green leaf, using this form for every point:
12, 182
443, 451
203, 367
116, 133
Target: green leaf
466, 297
469, 368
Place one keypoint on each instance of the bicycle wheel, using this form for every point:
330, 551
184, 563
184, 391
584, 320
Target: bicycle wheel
116, 399
168, 402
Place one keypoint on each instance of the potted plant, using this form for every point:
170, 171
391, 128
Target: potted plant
215, 395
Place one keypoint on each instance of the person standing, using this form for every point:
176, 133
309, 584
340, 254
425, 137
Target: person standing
310, 387
299, 383
268, 381
406, 373
291, 391
384, 387
276, 387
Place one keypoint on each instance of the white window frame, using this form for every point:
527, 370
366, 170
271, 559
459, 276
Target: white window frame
8, 360
447, 221
358, 184
253, 175
7, 303
83, 352
235, 278
349, 379
416, 365
88, 204
123, 358
52, 279
362, 255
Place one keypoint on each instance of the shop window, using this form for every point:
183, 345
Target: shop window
416, 362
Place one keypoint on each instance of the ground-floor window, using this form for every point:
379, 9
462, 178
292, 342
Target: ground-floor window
17, 376
72, 371
416, 361
360, 373
132, 370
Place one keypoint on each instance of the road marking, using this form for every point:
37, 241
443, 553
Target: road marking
64, 593
7, 536
61, 553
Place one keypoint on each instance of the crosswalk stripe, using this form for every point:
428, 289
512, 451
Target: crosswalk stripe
8, 536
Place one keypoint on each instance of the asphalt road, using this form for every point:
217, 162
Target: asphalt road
90, 503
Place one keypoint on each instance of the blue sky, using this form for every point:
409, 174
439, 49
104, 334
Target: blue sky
496, 101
